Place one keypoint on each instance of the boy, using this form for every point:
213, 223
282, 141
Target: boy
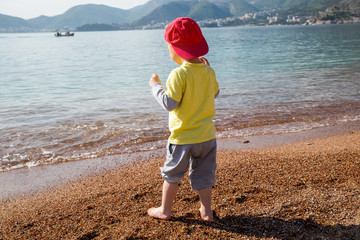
189, 98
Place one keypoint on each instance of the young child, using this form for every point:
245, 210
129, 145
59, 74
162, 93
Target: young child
189, 98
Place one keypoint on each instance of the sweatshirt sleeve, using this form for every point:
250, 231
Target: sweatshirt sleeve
164, 100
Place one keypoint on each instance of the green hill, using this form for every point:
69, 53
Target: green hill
205, 10
14, 24
82, 15
41, 22
198, 10
345, 10
166, 13
237, 7
143, 10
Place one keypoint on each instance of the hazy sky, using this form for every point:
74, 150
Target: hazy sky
34, 8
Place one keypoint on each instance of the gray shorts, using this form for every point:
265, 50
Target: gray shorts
199, 159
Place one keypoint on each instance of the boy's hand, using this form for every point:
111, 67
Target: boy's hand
204, 61
154, 80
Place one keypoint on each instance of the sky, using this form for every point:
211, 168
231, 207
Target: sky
27, 9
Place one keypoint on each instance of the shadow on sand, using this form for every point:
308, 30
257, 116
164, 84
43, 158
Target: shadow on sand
268, 227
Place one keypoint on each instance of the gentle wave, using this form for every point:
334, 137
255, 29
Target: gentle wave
72, 142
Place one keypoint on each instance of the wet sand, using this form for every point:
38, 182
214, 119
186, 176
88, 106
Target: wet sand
302, 190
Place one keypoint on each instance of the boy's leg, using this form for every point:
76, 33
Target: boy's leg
168, 196
175, 166
205, 199
202, 175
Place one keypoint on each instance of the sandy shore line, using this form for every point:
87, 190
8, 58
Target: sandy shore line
304, 190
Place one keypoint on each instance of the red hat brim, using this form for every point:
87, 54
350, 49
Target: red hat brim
194, 51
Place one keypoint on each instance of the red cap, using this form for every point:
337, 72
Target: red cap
185, 36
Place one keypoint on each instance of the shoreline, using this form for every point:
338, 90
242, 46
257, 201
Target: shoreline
27, 181
299, 190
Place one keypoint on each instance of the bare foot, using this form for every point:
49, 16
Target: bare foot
157, 213
207, 216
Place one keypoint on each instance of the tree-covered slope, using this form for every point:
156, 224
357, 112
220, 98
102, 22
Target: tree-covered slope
9, 23
81, 15
206, 10
345, 10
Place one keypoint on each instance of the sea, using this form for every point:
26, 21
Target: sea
65, 99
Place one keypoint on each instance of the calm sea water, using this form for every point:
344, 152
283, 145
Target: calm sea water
66, 99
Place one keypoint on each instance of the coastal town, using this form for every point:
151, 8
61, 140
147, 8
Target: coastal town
265, 18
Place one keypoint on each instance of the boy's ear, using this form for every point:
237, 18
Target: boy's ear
174, 56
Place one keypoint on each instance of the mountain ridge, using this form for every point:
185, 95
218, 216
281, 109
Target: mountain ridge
166, 10
10, 22
82, 14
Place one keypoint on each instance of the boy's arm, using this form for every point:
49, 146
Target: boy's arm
164, 100
158, 91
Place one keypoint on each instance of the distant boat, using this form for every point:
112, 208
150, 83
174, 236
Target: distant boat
67, 34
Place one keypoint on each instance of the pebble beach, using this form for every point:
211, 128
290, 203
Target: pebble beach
82, 138
308, 189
